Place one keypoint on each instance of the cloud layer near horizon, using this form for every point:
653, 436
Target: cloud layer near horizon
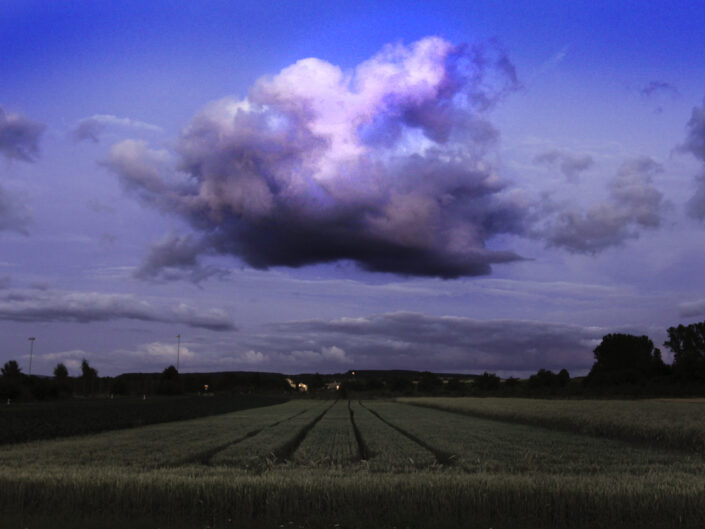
35, 305
384, 165
423, 342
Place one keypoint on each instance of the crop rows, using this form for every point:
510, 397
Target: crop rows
665, 423
389, 450
272, 443
331, 442
168, 444
48, 420
358, 464
483, 445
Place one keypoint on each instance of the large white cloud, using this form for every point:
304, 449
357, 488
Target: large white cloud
386, 165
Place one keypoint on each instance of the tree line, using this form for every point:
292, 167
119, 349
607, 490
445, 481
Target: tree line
624, 363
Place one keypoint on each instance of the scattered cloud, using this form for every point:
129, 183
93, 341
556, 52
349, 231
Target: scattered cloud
251, 357
659, 87
554, 60
19, 136
692, 308
92, 127
571, 165
177, 257
19, 140
386, 165
85, 307
695, 145
634, 204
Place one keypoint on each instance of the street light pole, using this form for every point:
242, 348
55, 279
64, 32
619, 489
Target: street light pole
31, 350
178, 350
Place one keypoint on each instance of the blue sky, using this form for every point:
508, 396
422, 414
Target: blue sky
528, 178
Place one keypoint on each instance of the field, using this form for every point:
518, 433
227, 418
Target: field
48, 420
316, 463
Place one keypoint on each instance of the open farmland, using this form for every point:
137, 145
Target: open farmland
313, 463
672, 423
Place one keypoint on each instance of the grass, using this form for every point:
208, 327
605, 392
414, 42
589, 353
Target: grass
199, 473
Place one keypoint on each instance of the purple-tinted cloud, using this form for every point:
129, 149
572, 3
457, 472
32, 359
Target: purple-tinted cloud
91, 128
692, 308
634, 204
571, 165
659, 87
177, 258
19, 136
438, 343
695, 145
19, 140
86, 307
385, 165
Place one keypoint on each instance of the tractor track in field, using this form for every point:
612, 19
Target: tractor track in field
285, 452
443, 458
205, 457
363, 450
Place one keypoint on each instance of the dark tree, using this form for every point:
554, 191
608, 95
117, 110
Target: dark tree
11, 370
169, 382
625, 358
88, 375
511, 382
487, 382
548, 379
87, 372
688, 345
60, 372
170, 373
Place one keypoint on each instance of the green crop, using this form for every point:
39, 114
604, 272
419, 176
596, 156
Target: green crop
315, 464
666, 423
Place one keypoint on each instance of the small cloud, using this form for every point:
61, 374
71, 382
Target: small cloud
571, 165
251, 357
335, 353
634, 204
19, 136
692, 308
654, 88
695, 144
177, 258
92, 127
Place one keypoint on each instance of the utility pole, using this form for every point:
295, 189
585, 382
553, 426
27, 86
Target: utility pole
178, 350
31, 350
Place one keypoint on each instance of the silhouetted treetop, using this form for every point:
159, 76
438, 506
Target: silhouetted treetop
11, 369
60, 372
688, 345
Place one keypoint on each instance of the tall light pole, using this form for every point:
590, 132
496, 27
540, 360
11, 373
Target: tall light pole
31, 350
178, 350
